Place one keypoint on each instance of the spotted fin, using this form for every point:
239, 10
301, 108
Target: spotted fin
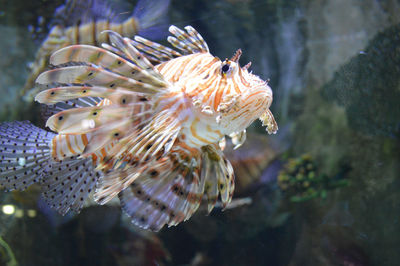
87, 119
164, 194
219, 176
131, 108
94, 76
58, 94
91, 54
132, 156
188, 42
67, 145
68, 184
48, 110
159, 134
103, 58
109, 134
24, 154
26, 158
168, 190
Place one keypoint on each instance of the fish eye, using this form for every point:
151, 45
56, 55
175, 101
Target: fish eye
225, 68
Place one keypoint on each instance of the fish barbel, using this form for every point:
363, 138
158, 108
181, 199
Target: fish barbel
140, 121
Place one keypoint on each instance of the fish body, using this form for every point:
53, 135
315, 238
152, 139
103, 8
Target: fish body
82, 22
208, 92
140, 121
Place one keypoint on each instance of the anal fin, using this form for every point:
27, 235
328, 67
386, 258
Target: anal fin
68, 184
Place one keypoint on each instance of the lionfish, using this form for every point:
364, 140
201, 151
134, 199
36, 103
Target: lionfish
137, 120
82, 21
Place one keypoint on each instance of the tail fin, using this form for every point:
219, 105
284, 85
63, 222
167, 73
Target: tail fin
152, 17
67, 184
25, 152
26, 159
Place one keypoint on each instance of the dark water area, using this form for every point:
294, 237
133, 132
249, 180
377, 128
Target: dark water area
325, 190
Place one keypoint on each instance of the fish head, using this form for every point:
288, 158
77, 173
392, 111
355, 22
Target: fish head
246, 97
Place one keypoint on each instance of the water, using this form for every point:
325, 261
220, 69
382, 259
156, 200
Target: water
323, 191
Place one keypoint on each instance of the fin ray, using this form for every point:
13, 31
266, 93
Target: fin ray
24, 154
68, 184
94, 76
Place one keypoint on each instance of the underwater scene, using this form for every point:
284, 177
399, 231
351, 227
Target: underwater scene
215, 132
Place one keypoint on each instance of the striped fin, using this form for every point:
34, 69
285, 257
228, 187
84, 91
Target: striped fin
111, 184
67, 145
169, 190
110, 133
188, 42
159, 134
24, 154
128, 168
47, 111
68, 184
101, 154
101, 57
55, 40
125, 46
164, 194
157, 52
94, 76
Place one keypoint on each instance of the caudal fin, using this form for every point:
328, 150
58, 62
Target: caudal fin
25, 152
67, 184
26, 158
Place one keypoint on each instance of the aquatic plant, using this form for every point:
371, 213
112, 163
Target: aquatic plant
10, 254
301, 180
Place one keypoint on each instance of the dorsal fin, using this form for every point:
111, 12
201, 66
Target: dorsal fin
187, 42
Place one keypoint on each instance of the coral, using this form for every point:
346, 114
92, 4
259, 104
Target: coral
301, 180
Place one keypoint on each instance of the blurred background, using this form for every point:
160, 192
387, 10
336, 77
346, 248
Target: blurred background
325, 190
